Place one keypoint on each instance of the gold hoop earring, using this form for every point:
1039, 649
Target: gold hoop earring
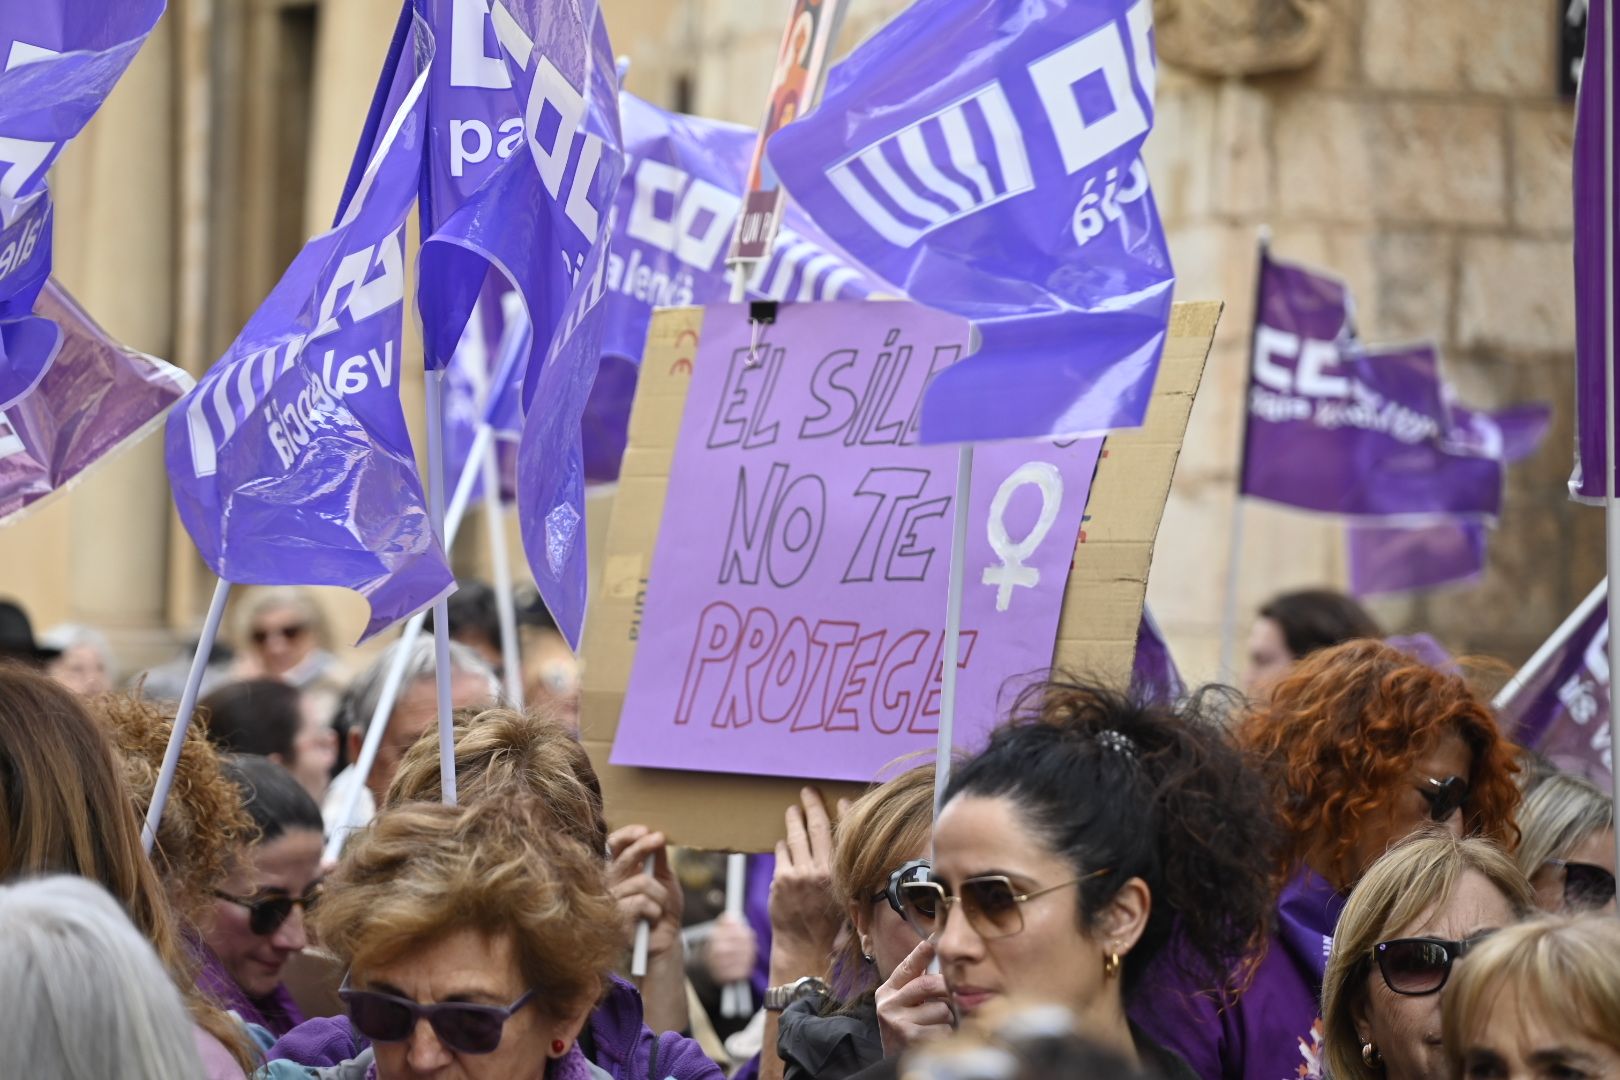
1111, 965
1370, 1056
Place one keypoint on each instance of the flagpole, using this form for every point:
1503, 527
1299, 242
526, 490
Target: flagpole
1234, 555
182, 716
1611, 508
1549, 648
441, 607
953, 627
500, 558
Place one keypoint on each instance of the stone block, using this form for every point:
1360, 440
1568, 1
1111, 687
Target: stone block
1322, 168
1240, 165
1516, 295
1543, 139
1217, 262
1179, 151
1414, 274
1438, 163
1492, 46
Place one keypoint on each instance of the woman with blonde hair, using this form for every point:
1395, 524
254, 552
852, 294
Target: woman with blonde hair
478, 942
1566, 845
1539, 1000
1413, 915
281, 633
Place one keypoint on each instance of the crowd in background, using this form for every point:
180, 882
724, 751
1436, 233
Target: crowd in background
1347, 869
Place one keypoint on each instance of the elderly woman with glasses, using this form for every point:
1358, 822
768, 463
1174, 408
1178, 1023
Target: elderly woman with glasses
1363, 745
827, 1015
1420, 909
1566, 846
1071, 847
478, 942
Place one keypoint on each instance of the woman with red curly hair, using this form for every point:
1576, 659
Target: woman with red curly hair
1363, 746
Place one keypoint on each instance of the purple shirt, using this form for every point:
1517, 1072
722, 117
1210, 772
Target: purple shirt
1273, 1029
276, 1012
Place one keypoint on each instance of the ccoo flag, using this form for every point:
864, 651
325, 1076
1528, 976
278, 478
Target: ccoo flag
533, 200
1338, 427
984, 156
291, 462
58, 62
1596, 282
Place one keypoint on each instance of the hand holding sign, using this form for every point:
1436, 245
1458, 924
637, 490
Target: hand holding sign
804, 916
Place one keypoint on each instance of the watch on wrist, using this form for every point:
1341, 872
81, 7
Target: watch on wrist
778, 998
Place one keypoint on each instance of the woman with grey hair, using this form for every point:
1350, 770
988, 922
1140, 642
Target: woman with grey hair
1566, 845
86, 996
84, 659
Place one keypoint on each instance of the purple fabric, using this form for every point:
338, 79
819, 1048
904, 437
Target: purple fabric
623, 1044
1399, 558
1341, 428
1592, 124
488, 348
277, 1012
1154, 677
984, 157
58, 62
291, 463
757, 909
1425, 649
538, 208
97, 398
1563, 709
1273, 1031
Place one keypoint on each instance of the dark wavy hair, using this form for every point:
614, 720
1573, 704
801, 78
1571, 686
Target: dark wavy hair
1314, 619
1345, 727
1151, 791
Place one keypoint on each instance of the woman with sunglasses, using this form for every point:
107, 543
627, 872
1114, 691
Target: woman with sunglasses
282, 634
1420, 909
1068, 850
478, 941
257, 921
1540, 1000
1363, 746
828, 1032
1566, 845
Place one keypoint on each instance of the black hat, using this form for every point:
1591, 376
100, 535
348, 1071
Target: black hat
17, 637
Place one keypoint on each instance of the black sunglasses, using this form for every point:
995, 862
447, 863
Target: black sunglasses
1586, 887
267, 913
1445, 797
462, 1026
915, 870
262, 636
1420, 965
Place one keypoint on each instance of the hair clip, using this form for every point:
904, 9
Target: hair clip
1118, 742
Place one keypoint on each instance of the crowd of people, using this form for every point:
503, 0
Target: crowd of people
1347, 869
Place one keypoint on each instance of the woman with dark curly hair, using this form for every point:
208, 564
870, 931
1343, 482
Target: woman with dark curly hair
1363, 746
1068, 850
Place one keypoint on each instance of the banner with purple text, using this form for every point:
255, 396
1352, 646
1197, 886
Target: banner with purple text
58, 62
1562, 710
97, 398
796, 600
985, 158
524, 161
291, 463
1338, 427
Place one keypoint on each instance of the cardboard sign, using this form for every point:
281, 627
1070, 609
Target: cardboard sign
1096, 630
801, 69
795, 615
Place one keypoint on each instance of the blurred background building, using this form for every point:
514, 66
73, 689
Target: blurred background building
1420, 149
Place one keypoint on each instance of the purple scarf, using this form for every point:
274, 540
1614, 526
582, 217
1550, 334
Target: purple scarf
276, 1012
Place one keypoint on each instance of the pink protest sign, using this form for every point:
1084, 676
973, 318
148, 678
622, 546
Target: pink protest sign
795, 608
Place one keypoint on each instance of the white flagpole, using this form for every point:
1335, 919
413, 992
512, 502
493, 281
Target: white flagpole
441, 609
182, 716
737, 998
953, 626
1611, 509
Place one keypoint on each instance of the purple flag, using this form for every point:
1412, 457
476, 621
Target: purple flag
58, 63
1559, 703
676, 209
96, 398
479, 386
1154, 678
1396, 558
525, 160
291, 462
984, 157
1595, 281
1337, 427
794, 617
